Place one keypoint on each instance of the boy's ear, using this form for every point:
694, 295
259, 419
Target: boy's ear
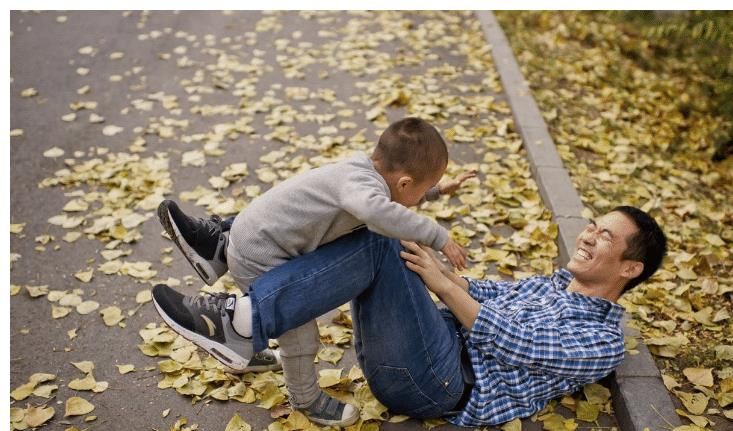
404, 181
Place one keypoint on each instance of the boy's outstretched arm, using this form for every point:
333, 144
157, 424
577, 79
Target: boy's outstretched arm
451, 186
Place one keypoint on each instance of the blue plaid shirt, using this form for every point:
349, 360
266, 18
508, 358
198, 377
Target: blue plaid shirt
534, 341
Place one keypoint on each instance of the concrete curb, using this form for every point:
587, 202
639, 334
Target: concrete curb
640, 399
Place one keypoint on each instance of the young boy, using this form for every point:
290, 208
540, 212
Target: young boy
294, 218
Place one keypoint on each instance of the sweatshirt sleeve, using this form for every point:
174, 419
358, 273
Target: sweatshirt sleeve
433, 194
364, 197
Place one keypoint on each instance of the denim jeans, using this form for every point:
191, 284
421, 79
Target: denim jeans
406, 346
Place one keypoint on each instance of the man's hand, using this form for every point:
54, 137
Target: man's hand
450, 187
420, 259
455, 253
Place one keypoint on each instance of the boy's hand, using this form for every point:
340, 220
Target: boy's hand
450, 187
455, 253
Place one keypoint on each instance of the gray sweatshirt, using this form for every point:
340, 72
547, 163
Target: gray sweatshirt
318, 206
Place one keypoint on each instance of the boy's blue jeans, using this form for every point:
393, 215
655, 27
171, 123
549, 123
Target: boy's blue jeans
407, 348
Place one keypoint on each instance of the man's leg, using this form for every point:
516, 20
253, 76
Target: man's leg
408, 351
410, 356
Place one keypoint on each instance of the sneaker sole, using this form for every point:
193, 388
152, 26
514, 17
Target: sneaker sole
202, 266
222, 353
342, 422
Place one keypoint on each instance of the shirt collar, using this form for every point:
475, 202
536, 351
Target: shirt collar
561, 280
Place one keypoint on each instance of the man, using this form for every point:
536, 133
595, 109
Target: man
503, 350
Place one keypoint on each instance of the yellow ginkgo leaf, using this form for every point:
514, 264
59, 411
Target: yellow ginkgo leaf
77, 406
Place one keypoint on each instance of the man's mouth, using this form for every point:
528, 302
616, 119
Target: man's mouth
583, 254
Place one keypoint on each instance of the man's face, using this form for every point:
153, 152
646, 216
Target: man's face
599, 249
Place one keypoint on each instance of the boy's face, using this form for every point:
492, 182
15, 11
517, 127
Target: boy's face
409, 192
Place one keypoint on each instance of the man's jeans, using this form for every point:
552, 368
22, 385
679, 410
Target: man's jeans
407, 348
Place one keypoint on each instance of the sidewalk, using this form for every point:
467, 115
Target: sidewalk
640, 399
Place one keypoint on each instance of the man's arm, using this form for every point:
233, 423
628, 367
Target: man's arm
588, 353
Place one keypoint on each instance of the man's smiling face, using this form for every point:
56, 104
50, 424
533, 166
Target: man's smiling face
599, 249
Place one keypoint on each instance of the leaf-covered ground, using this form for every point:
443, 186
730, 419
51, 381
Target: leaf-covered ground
633, 134
114, 111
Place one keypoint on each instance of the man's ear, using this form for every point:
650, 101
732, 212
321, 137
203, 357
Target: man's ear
632, 269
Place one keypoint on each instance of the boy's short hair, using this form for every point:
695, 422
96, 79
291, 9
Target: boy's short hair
648, 245
414, 146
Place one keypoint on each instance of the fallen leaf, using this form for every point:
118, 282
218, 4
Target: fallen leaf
77, 406
124, 369
37, 416
513, 425
111, 315
85, 276
587, 412
53, 152
699, 376
695, 403
87, 307
144, 296
236, 423
59, 312
331, 354
112, 130
85, 384
84, 366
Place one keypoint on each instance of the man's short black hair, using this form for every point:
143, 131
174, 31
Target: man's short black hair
648, 245
412, 145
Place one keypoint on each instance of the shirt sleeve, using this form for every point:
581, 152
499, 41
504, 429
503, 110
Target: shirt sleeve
365, 198
481, 290
588, 352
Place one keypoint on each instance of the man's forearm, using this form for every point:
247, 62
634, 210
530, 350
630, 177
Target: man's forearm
457, 279
463, 306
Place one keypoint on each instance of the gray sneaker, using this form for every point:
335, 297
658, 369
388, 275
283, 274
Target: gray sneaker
326, 410
207, 322
266, 360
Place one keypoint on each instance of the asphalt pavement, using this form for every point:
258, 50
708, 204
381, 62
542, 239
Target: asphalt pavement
178, 76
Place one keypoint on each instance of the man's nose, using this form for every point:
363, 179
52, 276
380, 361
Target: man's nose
589, 238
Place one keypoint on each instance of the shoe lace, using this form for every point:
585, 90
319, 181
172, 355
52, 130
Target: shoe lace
212, 226
209, 301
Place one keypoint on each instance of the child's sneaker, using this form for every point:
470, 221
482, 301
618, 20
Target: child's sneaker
326, 410
266, 360
207, 322
201, 240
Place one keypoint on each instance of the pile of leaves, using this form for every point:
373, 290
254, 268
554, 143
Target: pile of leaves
636, 135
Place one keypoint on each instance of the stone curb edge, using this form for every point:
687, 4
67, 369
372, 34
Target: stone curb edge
640, 399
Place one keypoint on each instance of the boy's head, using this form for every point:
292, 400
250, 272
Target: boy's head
412, 156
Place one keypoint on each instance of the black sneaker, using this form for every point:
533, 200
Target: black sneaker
326, 410
201, 240
207, 322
